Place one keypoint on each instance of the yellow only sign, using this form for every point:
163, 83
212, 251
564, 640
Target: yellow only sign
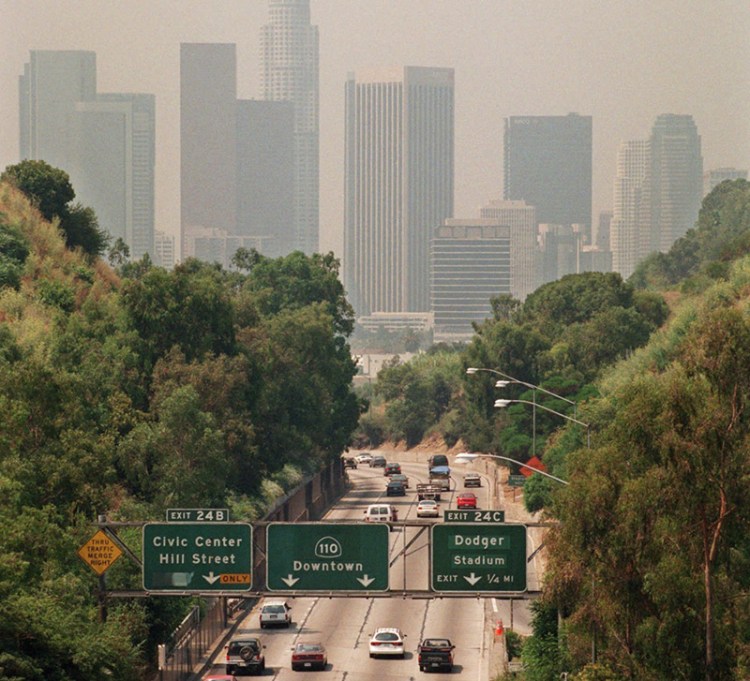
99, 552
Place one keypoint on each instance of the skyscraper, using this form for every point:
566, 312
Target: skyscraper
265, 174
289, 48
104, 141
676, 179
238, 172
208, 138
524, 253
398, 184
657, 191
471, 263
52, 82
548, 165
630, 228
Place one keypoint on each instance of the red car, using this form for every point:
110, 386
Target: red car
309, 656
466, 500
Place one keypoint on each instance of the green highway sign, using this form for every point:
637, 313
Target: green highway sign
453, 515
197, 556
516, 480
478, 557
327, 557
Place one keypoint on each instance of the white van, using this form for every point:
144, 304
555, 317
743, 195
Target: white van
380, 513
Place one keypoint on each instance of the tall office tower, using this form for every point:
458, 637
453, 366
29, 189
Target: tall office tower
289, 46
164, 250
548, 165
676, 179
112, 165
208, 138
603, 232
630, 228
716, 176
524, 252
561, 251
471, 263
398, 181
265, 174
52, 82
104, 141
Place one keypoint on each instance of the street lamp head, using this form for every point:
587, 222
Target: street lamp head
471, 371
502, 384
500, 404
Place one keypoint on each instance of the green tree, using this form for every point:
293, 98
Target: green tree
49, 189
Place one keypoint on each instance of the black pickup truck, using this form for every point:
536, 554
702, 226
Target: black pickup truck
435, 653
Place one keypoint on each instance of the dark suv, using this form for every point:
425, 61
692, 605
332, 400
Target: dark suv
245, 654
377, 461
350, 462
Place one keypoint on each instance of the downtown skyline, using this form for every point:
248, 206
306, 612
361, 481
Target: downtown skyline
547, 58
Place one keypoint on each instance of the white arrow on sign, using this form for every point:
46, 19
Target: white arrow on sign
472, 579
211, 577
365, 581
289, 580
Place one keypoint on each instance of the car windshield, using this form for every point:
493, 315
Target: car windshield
387, 636
273, 608
437, 642
308, 647
428, 504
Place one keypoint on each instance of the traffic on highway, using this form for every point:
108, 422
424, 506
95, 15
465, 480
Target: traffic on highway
360, 638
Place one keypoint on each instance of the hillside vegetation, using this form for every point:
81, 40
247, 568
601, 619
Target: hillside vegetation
126, 392
649, 560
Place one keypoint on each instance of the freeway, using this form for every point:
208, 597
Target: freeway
344, 625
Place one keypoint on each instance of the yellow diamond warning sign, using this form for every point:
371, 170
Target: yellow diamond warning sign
99, 552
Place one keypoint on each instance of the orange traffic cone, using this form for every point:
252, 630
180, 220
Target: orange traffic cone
499, 630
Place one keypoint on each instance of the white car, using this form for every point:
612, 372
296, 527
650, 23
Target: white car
387, 641
363, 457
472, 480
428, 508
275, 613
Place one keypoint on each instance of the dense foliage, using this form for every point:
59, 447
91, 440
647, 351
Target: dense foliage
125, 394
649, 566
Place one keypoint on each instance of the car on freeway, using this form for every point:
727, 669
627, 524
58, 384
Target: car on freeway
377, 461
381, 513
466, 500
395, 488
387, 641
428, 508
275, 613
363, 457
309, 656
350, 462
392, 469
435, 653
472, 480
245, 654
402, 478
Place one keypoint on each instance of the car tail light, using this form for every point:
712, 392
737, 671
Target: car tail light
375, 643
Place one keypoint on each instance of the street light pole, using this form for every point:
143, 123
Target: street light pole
499, 404
513, 461
473, 370
501, 384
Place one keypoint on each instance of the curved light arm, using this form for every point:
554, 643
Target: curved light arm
500, 404
473, 370
536, 470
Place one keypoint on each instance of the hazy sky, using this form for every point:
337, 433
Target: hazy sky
621, 61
